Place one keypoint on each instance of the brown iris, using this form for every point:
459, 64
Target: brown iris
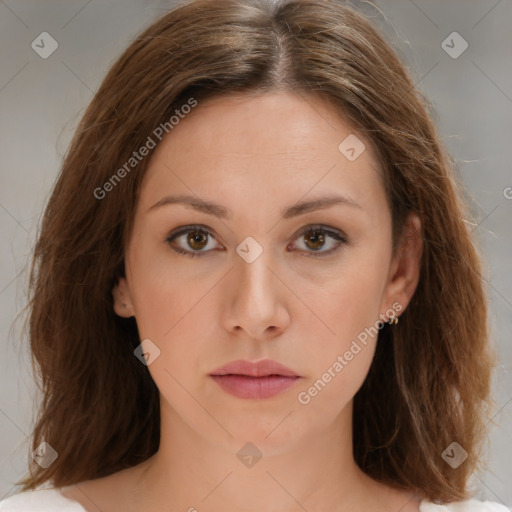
317, 239
196, 238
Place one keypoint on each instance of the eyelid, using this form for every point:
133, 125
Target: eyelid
334, 233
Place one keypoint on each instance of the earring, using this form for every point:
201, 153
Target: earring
393, 320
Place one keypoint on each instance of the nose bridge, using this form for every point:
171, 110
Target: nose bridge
255, 278
255, 293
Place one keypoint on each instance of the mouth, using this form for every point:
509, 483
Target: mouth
263, 379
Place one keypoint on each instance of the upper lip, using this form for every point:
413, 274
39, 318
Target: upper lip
261, 368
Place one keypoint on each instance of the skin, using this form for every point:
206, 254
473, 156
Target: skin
257, 155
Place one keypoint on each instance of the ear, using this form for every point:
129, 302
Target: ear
122, 299
406, 265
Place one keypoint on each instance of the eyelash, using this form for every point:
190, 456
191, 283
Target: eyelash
312, 228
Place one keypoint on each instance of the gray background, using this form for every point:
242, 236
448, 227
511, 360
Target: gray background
41, 101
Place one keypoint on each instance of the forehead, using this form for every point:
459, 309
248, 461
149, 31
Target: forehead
263, 124
265, 145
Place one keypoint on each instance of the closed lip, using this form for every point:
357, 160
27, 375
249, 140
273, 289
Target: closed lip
261, 368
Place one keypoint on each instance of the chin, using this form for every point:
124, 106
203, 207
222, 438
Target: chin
270, 435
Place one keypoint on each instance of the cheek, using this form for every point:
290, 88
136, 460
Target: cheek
160, 296
178, 324
348, 311
350, 302
341, 361
173, 310
323, 398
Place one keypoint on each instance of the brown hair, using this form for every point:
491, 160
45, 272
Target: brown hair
429, 381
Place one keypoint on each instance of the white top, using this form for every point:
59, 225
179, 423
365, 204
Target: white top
51, 500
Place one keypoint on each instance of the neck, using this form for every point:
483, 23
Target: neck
192, 473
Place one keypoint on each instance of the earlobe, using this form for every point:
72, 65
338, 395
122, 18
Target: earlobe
405, 272
122, 300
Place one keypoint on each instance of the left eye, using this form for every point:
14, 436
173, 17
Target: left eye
314, 237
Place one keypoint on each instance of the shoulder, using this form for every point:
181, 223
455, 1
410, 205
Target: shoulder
471, 505
40, 500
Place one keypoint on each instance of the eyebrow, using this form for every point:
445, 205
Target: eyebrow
220, 211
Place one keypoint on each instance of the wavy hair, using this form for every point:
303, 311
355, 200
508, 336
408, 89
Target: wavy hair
429, 382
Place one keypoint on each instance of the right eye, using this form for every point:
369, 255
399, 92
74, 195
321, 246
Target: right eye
196, 238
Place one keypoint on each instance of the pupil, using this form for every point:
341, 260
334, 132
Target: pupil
195, 238
318, 239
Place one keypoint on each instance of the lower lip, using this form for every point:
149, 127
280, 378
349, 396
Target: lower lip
243, 386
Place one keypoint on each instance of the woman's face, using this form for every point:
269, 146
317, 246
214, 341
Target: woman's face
255, 280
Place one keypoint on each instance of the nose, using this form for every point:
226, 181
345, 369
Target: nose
256, 305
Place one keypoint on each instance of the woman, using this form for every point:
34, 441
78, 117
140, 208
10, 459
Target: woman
253, 287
